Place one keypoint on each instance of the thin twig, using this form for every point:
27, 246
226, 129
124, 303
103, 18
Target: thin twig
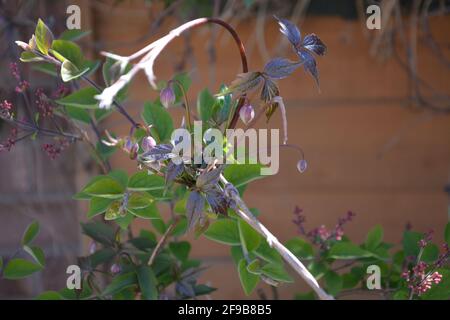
162, 241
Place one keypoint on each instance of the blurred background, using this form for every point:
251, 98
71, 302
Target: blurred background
376, 135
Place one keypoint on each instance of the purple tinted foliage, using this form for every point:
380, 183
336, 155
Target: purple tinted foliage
313, 43
290, 31
279, 68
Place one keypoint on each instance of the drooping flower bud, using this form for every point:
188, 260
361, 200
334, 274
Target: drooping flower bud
115, 268
131, 147
23, 45
167, 96
302, 165
148, 143
247, 113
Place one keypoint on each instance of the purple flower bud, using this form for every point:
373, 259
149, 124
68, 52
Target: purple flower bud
148, 143
131, 147
247, 113
302, 165
167, 96
115, 268
92, 247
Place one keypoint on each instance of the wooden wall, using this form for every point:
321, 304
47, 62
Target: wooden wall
344, 131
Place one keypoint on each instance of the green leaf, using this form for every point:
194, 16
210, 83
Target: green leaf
149, 212
347, 250
142, 181
20, 268
147, 282
69, 71
300, 248
249, 237
105, 187
185, 81
30, 233
139, 200
78, 114
241, 174
374, 238
430, 253
49, 295
264, 251
254, 267
66, 50
44, 37
305, 296
333, 282
83, 98
401, 294
100, 232
114, 211
73, 34
97, 206
120, 283
47, 68
447, 233
205, 104
248, 279
180, 249
411, 243
1, 264
236, 254
120, 176
36, 253
276, 272
124, 221
224, 231
105, 255
155, 114
27, 56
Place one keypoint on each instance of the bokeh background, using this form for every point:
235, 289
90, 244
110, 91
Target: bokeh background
376, 136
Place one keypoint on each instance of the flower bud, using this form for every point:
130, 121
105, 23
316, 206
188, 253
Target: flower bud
247, 113
148, 143
25, 46
131, 147
167, 96
302, 165
115, 268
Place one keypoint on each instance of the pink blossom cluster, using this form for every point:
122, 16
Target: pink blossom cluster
43, 104
10, 141
54, 150
6, 109
22, 85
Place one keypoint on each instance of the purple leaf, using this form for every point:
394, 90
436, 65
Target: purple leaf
194, 208
208, 179
280, 68
159, 152
217, 201
290, 31
243, 83
173, 171
313, 43
309, 63
269, 90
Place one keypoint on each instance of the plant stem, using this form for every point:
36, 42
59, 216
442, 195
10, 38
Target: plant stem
186, 103
163, 240
289, 257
